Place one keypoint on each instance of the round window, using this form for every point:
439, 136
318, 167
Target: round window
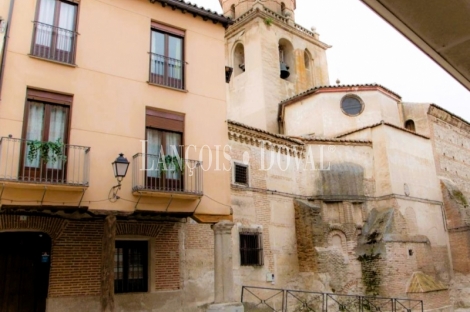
352, 105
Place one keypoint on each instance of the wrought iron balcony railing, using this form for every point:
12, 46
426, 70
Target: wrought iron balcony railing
37, 162
166, 71
172, 175
54, 43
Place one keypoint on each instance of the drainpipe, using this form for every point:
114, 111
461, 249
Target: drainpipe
5, 45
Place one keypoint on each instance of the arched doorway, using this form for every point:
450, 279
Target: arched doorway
24, 271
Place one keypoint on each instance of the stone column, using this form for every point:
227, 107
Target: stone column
224, 299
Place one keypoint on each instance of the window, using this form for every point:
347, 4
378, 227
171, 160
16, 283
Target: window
352, 105
166, 56
54, 35
131, 266
251, 248
410, 125
240, 174
47, 118
164, 131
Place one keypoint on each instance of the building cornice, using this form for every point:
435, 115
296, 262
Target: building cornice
448, 117
278, 20
186, 7
294, 146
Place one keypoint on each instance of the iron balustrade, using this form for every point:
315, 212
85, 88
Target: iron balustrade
154, 174
285, 300
70, 166
166, 71
54, 43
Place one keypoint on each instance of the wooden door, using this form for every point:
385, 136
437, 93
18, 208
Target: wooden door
24, 271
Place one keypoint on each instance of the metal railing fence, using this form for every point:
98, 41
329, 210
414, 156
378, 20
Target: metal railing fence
262, 299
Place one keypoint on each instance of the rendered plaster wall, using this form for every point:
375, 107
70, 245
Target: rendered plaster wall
106, 114
321, 114
417, 112
254, 95
402, 158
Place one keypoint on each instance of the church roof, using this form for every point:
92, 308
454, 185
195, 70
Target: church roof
380, 124
340, 88
196, 10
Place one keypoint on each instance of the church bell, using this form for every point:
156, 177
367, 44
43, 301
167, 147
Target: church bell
284, 71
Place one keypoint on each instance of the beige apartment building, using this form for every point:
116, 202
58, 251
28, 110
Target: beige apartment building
85, 81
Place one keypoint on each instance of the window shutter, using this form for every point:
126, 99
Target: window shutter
168, 29
45, 96
164, 120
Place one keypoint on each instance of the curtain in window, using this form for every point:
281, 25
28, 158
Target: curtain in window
57, 131
34, 130
157, 65
173, 143
154, 145
175, 64
46, 21
66, 26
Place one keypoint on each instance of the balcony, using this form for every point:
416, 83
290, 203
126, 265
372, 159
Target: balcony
36, 163
53, 43
166, 71
181, 178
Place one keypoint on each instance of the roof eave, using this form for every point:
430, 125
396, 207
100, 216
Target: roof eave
196, 11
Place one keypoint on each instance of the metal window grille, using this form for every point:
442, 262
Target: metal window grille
130, 266
251, 249
241, 174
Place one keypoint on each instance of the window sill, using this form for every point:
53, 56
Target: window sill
52, 61
166, 87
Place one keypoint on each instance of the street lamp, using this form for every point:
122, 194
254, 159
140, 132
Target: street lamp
120, 166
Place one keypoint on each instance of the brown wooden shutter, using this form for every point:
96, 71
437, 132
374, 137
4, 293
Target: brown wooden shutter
168, 29
164, 120
45, 96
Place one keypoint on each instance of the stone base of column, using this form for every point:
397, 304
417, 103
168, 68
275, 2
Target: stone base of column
226, 307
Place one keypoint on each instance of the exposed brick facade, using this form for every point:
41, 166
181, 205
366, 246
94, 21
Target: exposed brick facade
76, 251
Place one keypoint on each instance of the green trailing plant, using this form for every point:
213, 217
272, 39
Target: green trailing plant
460, 197
268, 21
47, 151
172, 163
370, 272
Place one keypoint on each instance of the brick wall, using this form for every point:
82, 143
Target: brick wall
459, 247
432, 300
76, 251
167, 258
76, 260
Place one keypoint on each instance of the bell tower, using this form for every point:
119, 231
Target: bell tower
272, 57
236, 8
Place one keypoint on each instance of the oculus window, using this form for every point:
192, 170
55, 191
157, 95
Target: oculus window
352, 105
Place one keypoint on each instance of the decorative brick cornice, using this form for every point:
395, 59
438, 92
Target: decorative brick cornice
256, 137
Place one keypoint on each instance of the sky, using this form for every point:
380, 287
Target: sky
366, 49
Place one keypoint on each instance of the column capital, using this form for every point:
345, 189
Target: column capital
223, 226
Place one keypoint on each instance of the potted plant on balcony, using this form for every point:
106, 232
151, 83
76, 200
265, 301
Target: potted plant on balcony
172, 163
47, 151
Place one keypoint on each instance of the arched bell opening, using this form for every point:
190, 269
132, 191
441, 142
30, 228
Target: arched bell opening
286, 60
